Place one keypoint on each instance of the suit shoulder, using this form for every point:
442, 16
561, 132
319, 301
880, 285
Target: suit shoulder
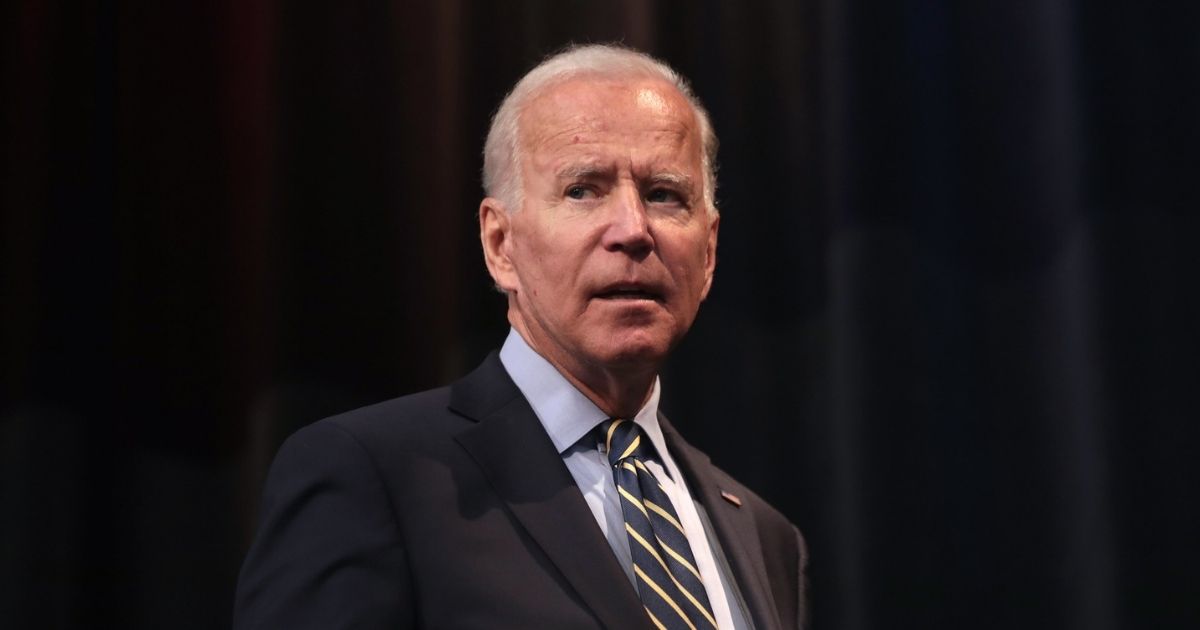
409, 422
435, 413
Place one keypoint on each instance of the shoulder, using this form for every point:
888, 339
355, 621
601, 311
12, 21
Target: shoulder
409, 417
404, 422
392, 435
353, 440
328, 527
338, 501
427, 418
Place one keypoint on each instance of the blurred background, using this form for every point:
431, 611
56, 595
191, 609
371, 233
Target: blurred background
953, 333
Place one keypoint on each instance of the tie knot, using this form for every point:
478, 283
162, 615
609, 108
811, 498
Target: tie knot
623, 439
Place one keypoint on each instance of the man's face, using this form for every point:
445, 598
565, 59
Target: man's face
613, 248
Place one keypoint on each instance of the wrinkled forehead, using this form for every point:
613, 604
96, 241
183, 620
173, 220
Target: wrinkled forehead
583, 104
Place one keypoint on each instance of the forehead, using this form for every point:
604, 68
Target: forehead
585, 110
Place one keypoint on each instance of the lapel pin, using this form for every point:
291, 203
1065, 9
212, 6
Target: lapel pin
732, 498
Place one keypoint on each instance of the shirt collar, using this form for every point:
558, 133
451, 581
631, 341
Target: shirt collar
564, 411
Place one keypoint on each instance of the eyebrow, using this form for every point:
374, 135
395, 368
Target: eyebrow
582, 171
676, 179
593, 171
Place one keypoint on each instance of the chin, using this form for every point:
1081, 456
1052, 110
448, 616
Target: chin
635, 357
633, 351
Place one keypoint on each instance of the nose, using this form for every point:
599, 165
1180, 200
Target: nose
628, 228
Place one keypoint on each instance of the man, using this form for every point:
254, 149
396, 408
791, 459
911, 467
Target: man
544, 489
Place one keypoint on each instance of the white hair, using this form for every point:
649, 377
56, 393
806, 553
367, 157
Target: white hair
502, 151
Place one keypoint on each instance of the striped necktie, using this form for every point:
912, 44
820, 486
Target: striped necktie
667, 579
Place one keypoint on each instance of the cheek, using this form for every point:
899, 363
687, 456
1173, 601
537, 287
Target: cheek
689, 261
546, 277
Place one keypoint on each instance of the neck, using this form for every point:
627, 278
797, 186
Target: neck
619, 391
617, 395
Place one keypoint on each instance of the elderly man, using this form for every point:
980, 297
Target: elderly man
544, 489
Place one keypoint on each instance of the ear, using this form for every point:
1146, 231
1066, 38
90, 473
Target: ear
710, 258
495, 234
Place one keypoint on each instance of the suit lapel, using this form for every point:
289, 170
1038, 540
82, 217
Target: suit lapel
734, 525
518, 458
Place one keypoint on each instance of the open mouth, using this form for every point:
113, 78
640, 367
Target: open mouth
628, 292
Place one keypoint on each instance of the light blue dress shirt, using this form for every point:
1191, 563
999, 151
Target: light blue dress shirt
569, 418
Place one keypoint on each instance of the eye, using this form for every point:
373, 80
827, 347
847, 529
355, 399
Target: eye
579, 191
664, 195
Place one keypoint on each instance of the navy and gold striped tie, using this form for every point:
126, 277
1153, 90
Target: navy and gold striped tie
667, 579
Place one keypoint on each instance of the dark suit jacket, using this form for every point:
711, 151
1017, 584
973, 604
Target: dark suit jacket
452, 509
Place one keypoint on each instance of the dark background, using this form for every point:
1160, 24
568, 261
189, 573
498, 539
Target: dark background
953, 333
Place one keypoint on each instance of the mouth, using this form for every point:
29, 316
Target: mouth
630, 292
